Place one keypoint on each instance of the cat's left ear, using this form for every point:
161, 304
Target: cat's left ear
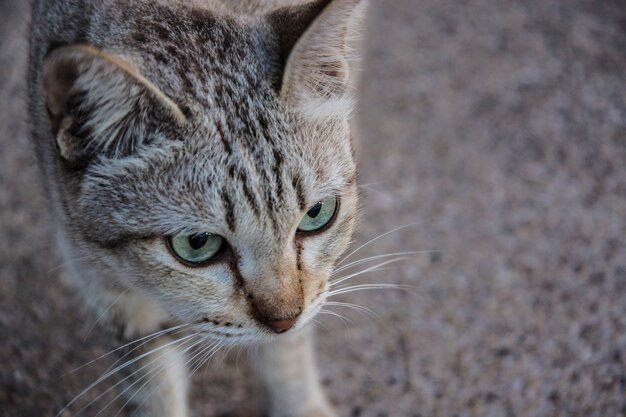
315, 52
100, 105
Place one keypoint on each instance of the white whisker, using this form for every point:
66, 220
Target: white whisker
225, 354
375, 239
67, 263
320, 323
200, 357
104, 313
197, 358
369, 184
239, 350
150, 337
364, 310
121, 359
121, 382
207, 356
157, 371
118, 368
371, 268
344, 320
375, 257
363, 287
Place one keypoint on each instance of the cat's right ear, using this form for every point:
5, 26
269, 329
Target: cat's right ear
99, 105
314, 50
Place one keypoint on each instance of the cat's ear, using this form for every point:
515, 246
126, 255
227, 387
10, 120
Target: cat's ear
98, 104
315, 51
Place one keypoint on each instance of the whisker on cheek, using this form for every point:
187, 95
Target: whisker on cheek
366, 287
119, 297
364, 310
320, 323
344, 320
369, 242
370, 269
386, 255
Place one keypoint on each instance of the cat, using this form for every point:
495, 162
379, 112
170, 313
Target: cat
198, 160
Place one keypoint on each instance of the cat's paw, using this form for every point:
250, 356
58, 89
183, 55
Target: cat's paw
324, 411
320, 413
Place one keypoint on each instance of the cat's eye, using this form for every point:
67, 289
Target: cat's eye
319, 215
195, 249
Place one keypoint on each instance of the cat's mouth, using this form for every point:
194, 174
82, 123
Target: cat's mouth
228, 336
231, 333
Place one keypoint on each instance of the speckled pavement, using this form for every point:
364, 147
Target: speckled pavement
498, 130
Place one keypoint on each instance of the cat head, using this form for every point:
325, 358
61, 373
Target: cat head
205, 159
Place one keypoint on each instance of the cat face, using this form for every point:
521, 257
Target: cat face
220, 183
258, 267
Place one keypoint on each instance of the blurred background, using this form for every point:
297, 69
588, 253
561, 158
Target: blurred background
497, 129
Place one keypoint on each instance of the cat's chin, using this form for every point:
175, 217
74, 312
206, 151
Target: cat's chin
222, 339
251, 338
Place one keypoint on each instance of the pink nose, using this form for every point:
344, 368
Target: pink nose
281, 326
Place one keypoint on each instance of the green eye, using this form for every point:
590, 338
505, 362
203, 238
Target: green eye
319, 215
195, 249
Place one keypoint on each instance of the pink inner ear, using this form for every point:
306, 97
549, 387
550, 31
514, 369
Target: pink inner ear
59, 78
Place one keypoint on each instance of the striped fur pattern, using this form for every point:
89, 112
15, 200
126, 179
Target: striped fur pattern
153, 118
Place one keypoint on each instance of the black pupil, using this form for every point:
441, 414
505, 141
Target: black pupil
315, 210
198, 241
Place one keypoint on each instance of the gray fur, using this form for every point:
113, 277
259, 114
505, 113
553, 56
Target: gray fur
184, 117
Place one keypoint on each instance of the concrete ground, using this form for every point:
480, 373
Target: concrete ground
496, 127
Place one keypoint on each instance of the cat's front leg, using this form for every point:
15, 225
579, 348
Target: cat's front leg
156, 380
290, 383
152, 364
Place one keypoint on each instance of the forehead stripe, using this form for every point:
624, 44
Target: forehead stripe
248, 194
296, 182
228, 210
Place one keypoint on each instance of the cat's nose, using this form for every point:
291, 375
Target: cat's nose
281, 326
